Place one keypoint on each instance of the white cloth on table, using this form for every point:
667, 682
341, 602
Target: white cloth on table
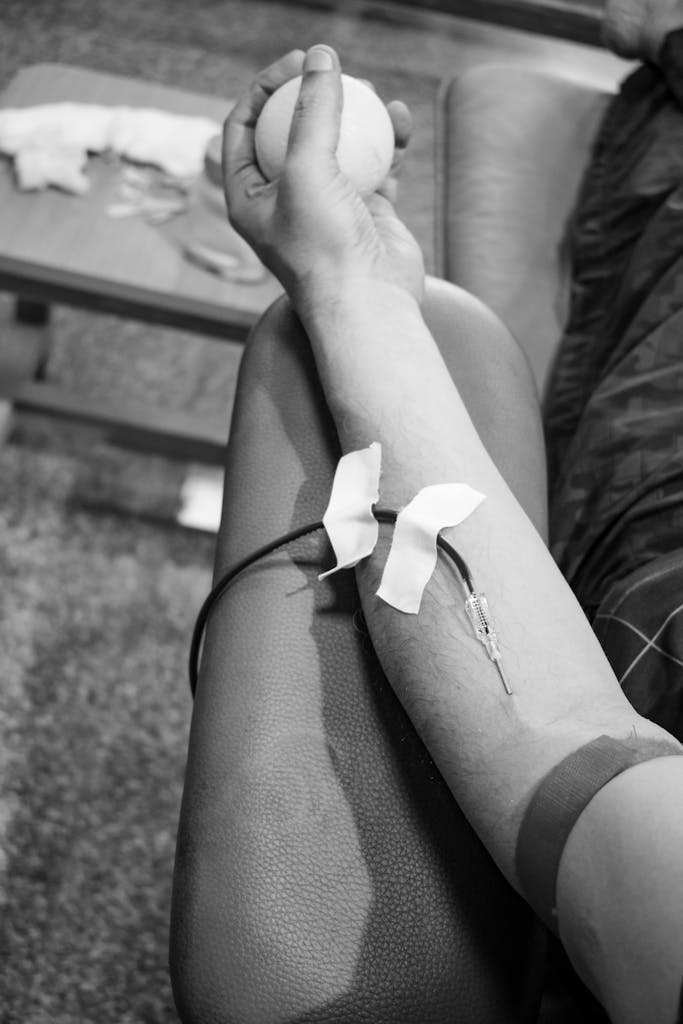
50, 142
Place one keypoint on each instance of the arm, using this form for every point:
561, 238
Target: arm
620, 894
354, 276
377, 361
620, 903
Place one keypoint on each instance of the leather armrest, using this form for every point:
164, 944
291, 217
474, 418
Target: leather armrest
513, 147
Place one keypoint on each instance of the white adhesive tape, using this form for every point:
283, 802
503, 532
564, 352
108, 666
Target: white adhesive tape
413, 553
348, 519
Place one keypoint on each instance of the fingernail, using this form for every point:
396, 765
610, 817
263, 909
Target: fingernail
318, 59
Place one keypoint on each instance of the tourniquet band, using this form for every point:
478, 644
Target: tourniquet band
559, 800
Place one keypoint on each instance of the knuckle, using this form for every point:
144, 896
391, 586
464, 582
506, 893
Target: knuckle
308, 102
302, 111
257, 93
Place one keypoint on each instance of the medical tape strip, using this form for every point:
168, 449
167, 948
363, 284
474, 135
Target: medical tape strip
348, 520
413, 553
557, 803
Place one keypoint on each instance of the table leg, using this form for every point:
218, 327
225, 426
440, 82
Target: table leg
6, 419
27, 311
35, 344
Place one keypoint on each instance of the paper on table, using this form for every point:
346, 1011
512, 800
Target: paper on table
413, 553
84, 126
37, 167
176, 143
348, 519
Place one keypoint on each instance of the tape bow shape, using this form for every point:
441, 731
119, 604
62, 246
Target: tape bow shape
353, 529
413, 553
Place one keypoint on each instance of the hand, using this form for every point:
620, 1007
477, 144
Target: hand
311, 227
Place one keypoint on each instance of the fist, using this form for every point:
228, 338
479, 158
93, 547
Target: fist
366, 136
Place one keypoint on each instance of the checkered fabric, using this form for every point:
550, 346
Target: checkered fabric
614, 414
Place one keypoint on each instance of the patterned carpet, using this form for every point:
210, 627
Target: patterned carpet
99, 587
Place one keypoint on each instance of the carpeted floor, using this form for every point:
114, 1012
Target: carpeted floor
99, 586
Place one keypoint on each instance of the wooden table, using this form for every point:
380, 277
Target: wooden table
59, 248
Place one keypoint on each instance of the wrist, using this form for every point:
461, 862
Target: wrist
321, 303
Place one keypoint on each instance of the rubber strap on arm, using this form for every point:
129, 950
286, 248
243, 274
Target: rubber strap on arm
559, 800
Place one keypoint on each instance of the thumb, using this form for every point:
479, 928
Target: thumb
317, 116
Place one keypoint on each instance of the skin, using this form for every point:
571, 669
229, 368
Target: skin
355, 278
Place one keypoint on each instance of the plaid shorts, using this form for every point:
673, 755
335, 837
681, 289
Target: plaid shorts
614, 412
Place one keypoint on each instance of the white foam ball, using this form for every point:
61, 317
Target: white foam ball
366, 138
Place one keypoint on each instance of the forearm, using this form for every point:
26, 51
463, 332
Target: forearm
385, 381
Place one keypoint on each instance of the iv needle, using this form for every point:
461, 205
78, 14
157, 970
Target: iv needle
477, 608
502, 676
